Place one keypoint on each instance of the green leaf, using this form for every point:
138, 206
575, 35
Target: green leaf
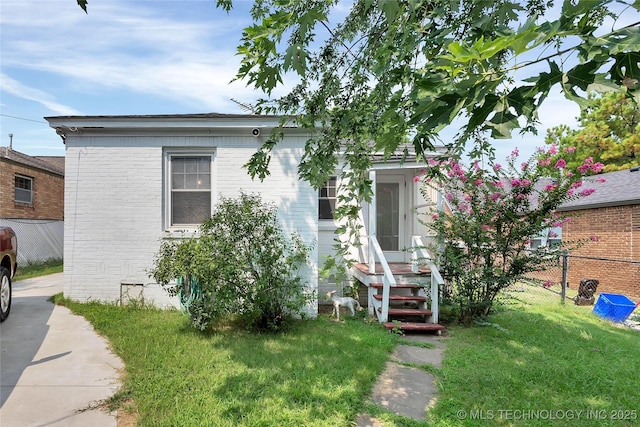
83, 5
481, 112
581, 75
501, 124
390, 8
296, 58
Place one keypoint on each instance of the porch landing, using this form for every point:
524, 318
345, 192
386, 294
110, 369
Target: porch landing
397, 268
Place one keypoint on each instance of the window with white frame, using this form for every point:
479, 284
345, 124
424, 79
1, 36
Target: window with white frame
189, 195
23, 192
327, 197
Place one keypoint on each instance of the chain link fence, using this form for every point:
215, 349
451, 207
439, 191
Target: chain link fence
38, 240
578, 279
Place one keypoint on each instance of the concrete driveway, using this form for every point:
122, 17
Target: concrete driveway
54, 368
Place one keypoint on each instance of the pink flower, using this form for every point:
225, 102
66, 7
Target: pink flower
525, 183
583, 169
601, 180
524, 165
553, 234
597, 167
544, 162
594, 238
479, 182
432, 162
467, 198
435, 216
416, 178
499, 184
560, 164
497, 167
570, 192
495, 196
515, 182
552, 150
570, 149
587, 191
577, 184
549, 187
515, 152
521, 196
449, 196
547, 284
485, 227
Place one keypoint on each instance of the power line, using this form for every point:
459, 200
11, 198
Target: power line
22, 118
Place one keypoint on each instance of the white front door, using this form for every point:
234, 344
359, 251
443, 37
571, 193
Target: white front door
391, 215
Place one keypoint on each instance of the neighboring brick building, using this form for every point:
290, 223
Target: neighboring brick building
611, 216
32, 203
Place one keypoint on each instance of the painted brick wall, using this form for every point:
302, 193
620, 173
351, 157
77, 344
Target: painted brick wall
617, 230
48, 190
115, 204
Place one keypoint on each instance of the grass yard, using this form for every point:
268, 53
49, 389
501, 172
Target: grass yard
563, 360
319, 374
527, 365
38, 269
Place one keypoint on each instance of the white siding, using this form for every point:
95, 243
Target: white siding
114, 205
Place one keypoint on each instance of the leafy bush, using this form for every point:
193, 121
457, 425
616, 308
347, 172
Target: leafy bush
484, 233
240, 265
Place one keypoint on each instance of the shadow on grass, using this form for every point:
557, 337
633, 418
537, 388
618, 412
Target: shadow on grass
547, 358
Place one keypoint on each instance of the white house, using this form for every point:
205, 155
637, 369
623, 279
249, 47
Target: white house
133, 180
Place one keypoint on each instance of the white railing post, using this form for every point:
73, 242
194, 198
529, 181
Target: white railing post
372, 231
387, 282
420, 255
435, 295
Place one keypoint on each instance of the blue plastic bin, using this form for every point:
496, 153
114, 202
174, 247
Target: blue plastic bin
614, 307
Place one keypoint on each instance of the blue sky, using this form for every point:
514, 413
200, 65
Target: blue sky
137, 57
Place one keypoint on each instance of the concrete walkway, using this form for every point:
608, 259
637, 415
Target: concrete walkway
54, 368
403, 390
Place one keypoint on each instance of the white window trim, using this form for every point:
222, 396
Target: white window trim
178, 231
31, 192
337, 185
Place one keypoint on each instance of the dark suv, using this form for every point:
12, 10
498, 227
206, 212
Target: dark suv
8, 266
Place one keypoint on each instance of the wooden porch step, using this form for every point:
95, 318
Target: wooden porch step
399, 286
414, 326
402, 298
407, 312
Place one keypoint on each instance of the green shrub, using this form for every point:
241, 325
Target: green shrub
242, 265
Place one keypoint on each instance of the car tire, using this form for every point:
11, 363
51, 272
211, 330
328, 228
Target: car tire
5, 293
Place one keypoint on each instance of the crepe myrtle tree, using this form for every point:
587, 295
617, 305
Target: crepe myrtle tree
241, 264
490, 216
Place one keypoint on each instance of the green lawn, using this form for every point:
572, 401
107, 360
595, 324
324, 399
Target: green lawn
528, 361
38, 269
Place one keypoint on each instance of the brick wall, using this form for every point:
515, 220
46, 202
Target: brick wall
48, 193
617, 233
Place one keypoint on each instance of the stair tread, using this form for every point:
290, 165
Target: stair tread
409, 312
402, 298
398, 286
414, 326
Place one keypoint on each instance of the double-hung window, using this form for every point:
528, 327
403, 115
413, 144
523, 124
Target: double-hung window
189, 195
23, 192
327, 199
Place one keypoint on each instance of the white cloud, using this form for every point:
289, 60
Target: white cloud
133, 47
16, 88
